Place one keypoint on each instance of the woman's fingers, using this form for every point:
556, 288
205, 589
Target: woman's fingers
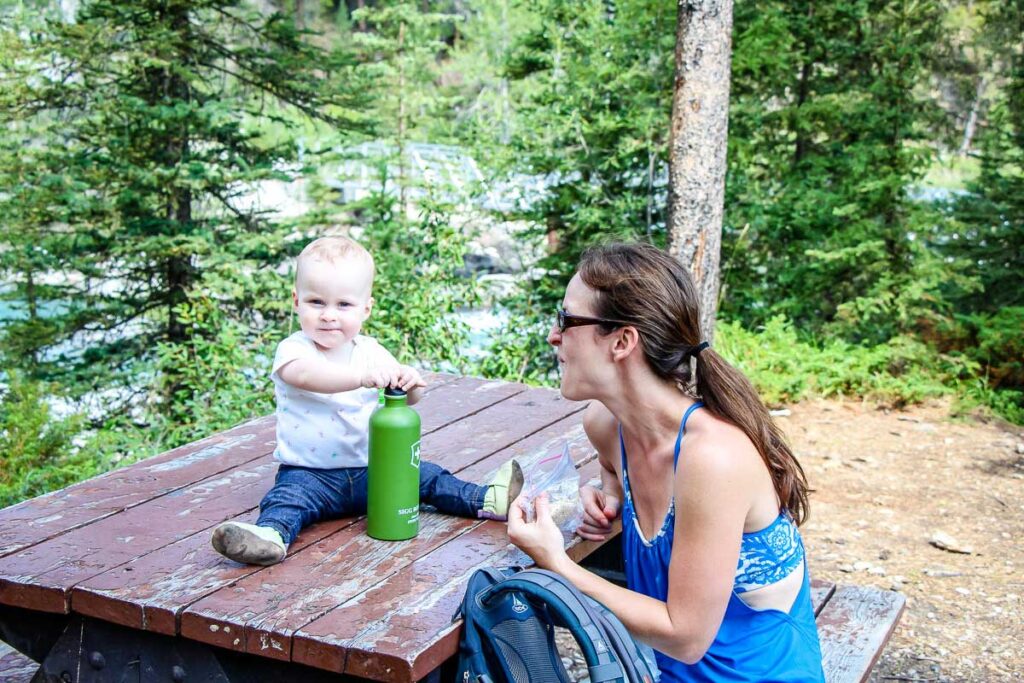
542, 507
593, 506
591, 532
611, 508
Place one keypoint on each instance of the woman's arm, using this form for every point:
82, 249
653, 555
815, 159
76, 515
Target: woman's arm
712, 503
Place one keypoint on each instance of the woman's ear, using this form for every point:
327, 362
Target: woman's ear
626, 340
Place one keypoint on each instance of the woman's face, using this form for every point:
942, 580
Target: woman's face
579, 349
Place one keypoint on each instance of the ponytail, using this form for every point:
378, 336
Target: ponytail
728, 393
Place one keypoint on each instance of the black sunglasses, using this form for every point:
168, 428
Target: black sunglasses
567, 320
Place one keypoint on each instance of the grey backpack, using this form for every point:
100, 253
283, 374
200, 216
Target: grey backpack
509, 632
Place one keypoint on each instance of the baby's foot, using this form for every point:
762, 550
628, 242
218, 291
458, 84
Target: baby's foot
248, 543
503, 489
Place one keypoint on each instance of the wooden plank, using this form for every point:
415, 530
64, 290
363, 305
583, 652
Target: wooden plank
401, 629
453, 401
462, 445
853, 628
821, 593
151, 591
260, 613
268, 621
41, 577
369, 636
14, 666
36, 520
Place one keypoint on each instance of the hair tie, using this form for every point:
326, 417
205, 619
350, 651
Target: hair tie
694, 351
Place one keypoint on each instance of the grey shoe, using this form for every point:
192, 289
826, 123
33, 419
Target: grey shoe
248, 543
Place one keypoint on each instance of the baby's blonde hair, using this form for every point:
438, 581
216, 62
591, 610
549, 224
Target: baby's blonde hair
331, 249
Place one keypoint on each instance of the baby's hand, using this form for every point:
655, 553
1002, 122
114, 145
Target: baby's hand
381, 376
409, 378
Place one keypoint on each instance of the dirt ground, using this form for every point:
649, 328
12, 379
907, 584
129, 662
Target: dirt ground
889, 482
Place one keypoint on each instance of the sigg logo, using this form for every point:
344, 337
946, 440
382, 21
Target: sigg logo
415, 455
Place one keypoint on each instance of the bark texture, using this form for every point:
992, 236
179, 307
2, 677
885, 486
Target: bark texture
700, 123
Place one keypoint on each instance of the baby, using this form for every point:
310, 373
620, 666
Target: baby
326, 380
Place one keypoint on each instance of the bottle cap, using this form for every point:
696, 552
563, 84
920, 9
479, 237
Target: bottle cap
394, 392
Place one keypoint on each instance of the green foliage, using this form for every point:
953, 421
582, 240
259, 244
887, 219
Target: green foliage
989, 232
37, 451
221, 375
787, 368
519, 352
578, 109
418, 288
133, 137
827, 106
133, 265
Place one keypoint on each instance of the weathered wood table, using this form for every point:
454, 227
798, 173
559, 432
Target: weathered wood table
114, 578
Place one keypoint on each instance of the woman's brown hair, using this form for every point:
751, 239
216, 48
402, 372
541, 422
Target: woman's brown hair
642, 285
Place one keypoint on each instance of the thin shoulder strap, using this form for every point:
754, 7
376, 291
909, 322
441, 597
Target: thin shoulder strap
682, 430
679, 438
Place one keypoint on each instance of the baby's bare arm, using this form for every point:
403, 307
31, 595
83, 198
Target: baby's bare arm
327, 378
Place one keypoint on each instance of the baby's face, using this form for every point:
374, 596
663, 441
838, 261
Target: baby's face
332, 300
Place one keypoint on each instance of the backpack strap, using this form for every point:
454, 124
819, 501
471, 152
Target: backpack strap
567, 604
493, 575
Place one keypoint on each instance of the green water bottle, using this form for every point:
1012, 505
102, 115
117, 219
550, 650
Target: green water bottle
393, 479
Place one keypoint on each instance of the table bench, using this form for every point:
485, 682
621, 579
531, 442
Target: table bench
114, 578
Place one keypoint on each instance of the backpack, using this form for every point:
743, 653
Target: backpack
509, 636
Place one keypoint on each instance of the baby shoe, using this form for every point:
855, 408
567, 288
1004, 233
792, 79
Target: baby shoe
248, 543
503, 489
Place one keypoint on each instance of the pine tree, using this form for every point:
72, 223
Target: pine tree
134, 133
827, 138
990, 232
408, 216
590, 97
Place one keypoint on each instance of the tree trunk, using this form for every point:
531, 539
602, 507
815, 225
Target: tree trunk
401, 122
972, 119
700, 122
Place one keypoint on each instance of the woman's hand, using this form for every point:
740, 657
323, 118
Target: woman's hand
540, 539
599, 511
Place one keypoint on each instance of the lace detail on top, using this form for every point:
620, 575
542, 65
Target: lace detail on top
769, 555
666, 525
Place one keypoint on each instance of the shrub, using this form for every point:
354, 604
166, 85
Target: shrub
37, 450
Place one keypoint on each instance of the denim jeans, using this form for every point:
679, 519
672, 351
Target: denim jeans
304, 495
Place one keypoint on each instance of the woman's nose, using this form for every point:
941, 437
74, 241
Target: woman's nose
554, 336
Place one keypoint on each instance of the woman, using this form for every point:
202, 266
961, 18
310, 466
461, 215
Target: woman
709, 493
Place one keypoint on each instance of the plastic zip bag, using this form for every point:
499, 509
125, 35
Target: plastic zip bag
554, 473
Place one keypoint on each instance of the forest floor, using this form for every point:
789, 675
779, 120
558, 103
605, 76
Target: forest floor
886, 483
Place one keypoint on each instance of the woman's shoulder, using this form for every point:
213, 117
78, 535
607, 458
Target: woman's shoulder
718, 448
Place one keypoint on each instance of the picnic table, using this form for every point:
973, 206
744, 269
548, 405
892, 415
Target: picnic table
114, 578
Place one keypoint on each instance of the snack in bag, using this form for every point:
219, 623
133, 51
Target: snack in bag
554, 473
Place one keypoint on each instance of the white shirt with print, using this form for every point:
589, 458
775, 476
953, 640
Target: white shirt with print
324, 431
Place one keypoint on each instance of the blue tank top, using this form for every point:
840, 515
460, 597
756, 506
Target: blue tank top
751, 644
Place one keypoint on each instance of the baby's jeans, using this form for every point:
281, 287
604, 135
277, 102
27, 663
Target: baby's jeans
304, 495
